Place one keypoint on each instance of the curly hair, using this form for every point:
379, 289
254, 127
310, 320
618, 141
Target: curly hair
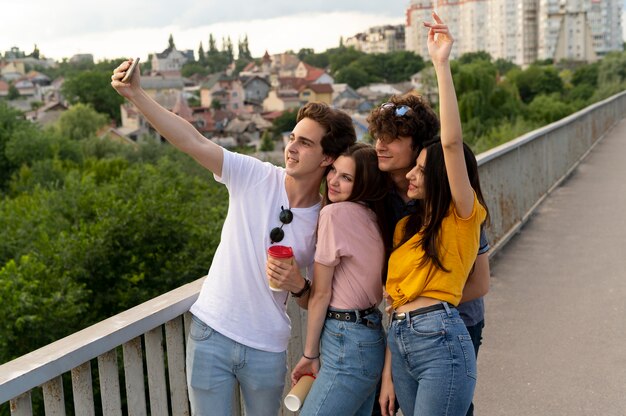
420, 123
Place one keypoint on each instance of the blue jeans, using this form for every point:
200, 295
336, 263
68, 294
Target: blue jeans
476, 332
352, 357
433, 364
215, 363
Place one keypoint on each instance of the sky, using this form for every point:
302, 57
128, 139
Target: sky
62, 28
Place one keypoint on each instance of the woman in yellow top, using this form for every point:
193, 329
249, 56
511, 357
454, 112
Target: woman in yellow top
430, 363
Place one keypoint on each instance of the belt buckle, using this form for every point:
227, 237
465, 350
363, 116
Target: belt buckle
400, 316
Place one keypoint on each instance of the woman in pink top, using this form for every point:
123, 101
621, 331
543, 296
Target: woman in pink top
347, 288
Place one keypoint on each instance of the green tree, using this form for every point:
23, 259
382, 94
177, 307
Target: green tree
81, 121
546, 109
267, 142
11, 121
170, 42
201, 56
94, 88
13, 92
537, 80
353, 75
285, 122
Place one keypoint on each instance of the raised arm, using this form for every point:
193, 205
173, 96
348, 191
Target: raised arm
175, 129
439, 46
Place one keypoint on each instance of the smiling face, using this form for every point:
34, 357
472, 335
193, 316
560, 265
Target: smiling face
340, 179
395, 155
303, 154
416, 178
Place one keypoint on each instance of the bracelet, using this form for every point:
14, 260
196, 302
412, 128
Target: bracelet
305, 289
311, 358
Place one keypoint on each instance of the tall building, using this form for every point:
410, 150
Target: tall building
418, 11
522, 31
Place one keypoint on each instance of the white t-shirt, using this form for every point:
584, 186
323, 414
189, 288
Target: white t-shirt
235, 299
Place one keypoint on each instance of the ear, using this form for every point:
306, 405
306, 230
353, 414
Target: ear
327, 161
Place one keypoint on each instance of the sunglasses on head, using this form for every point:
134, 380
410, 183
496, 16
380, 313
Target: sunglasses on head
277, 234
400, 110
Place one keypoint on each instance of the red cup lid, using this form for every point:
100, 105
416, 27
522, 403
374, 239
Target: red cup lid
280, 252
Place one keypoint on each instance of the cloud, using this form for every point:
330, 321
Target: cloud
76, 17
275, 35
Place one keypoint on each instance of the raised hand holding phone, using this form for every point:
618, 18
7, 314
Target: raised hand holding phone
130, 70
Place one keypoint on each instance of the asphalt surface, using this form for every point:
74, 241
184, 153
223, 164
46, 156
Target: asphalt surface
555, 335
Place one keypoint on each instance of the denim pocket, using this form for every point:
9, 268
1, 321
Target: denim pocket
372, 357
427, 326
469, 356
199, 331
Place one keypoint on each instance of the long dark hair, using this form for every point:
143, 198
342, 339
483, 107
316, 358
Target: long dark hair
437, 200
370, 187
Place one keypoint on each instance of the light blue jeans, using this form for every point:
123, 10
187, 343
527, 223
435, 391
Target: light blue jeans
433, 364
352, 357
216, 362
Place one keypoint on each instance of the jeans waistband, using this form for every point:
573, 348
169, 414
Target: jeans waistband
397, 316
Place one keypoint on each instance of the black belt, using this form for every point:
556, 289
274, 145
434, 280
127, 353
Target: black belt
403, 315
351, 316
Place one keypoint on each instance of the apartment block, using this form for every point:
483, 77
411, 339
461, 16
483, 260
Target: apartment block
379, 39
522, 31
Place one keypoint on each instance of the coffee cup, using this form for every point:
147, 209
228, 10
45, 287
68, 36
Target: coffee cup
282, 253
294, 400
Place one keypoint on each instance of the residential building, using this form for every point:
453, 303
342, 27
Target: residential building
224, 91
255, 89
170, 61
281, 100
379, 39
522, 31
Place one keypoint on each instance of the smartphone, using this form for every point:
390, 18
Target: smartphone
130, 70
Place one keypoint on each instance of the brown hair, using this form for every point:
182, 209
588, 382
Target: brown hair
338, 125
370, 187
420, 123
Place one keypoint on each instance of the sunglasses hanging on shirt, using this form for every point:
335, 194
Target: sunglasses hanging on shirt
277, 234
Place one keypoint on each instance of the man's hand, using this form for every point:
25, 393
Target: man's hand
284, 275
125, 89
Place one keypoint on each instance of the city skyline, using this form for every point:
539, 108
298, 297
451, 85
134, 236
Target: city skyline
143, 27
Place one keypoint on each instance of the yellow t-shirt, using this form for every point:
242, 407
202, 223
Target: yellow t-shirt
459, 247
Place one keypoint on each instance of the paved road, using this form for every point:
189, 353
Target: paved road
555, 336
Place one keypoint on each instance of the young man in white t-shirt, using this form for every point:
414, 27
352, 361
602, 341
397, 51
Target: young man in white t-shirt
240, 327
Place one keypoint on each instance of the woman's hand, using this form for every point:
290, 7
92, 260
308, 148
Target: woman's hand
439, 40
305, 366
387, 398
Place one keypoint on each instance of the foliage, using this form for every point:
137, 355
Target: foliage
79, 122
94, 88
92, 227
267, 142
285, 122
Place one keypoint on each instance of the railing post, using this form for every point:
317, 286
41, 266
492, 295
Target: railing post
156, 372
174, 334
133, 372
22, 405
109, 384
53, 397
82, 389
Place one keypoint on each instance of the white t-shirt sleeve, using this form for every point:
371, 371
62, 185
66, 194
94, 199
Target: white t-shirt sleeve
241, 172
